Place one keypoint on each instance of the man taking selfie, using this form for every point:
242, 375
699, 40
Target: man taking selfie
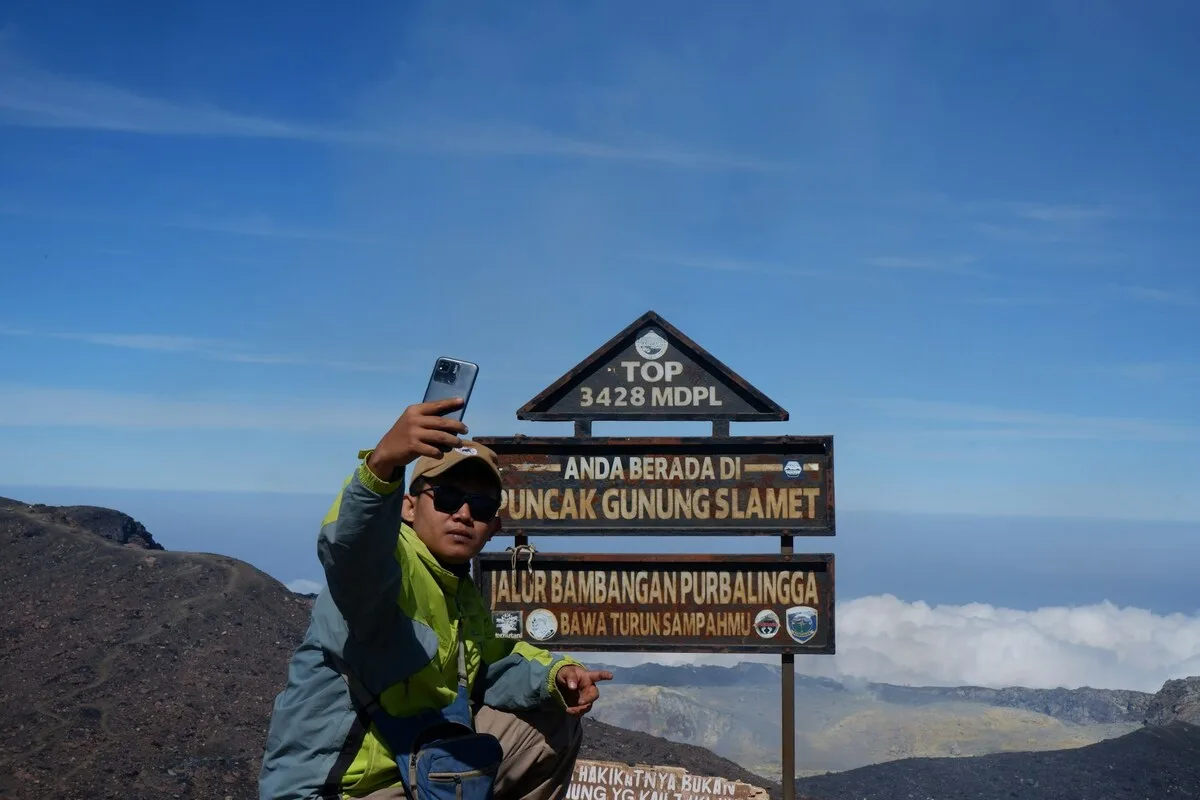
400, 688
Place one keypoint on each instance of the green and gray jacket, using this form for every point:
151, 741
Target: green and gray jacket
391, 613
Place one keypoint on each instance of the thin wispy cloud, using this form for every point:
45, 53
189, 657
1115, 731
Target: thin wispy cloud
43, 406
951, 265
1001, 210
1149, 371
1059, 214
210, 349
35, 406
265, 228
1023, 233
33, 98
990, 421
1037, 223
1183, 298
260, 226
1012, 301
729, 265
1028, 222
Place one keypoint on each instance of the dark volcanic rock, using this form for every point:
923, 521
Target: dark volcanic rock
112, 525
1176, 701
131, 673
145, 675
1159, 763
1083, 706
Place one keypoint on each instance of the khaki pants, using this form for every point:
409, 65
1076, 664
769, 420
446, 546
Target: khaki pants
540, 748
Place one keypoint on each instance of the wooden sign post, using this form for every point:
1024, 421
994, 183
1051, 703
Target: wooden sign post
718, 485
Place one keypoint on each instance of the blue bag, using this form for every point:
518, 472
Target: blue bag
459, 766
439, 753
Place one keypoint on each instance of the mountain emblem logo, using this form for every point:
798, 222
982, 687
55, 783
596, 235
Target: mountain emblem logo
650, 345
766, 624
802, 623
541, 624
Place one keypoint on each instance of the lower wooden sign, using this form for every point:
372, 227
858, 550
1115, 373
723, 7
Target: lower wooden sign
662, 603
609, 780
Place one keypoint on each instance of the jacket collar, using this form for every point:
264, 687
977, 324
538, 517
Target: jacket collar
445, 578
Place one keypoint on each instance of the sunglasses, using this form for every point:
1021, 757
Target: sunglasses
448, 499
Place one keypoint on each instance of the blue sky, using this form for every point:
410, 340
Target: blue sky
959, 239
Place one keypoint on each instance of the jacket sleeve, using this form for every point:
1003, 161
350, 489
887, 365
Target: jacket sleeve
357, 548
518, 676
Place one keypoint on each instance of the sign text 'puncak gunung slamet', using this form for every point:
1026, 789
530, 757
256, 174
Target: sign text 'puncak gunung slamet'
742, 485
663, 603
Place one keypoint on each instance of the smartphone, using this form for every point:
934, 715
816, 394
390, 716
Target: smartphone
452, 377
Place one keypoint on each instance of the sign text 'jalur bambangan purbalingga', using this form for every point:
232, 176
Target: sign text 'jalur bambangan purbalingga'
677, 603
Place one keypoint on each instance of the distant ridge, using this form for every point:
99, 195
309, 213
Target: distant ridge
1082, 706
1177, 701
111, 524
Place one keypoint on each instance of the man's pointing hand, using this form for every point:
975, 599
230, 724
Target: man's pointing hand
578, 687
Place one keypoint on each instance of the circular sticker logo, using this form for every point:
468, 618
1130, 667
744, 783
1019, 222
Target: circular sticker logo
766, 624
541, 624
650, 345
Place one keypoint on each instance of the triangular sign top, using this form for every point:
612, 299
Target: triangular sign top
650, 371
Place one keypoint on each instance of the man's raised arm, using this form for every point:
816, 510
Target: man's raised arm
357, 542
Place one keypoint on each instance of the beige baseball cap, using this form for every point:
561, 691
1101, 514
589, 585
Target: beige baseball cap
426, 467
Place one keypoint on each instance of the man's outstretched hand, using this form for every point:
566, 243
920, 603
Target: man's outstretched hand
422, 430
578, 687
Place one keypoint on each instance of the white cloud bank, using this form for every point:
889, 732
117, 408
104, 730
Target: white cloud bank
887, 640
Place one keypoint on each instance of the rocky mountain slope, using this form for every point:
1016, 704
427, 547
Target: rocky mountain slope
1083, 706
733, 712
112, 525
1177, 701
133, 672
1152, 763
